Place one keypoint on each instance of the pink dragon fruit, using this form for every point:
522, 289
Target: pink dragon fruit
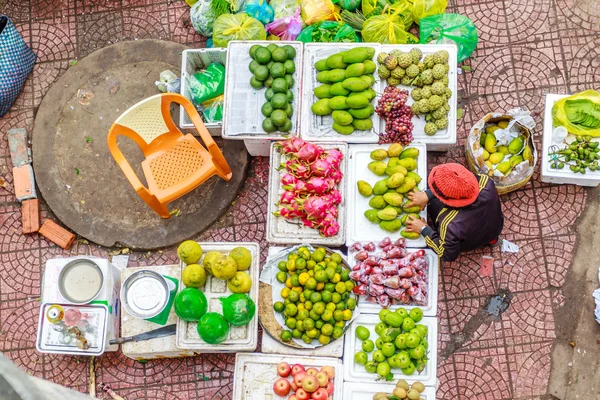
310, 223
298, 169
321, 167
309, 152
331, 159
291, 145
315, 207
298, 188
317, 185
288, 180
336, 175
330, 230
333, 211
287, 197
335, 196
285, 213
336, 154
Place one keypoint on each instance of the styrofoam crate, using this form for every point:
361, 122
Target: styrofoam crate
354, 372
241, 338
258, 147
430, 310
365, 391
242, 118
279, 230
256, 373
442, 140
319, 128
565, 175
192, 61
359, 228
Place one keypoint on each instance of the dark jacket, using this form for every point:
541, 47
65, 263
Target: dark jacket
466, 228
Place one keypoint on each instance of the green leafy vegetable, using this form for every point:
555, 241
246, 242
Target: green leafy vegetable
583, 112
579, 113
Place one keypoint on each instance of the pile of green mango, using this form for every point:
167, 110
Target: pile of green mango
389, 196
346, 91
503, 158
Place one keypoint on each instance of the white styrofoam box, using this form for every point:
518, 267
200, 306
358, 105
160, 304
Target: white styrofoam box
356, 373
241, 338
565, 175
192, 61
279, 230
242, 118
256, 373
359, 228
258, 147
442, 140
365, 391
319, 128
432, 288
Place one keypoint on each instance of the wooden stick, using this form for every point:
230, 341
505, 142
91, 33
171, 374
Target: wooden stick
92, 386
110, 392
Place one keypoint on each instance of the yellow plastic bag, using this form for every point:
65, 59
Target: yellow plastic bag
230, 27
314, 11
387, 27
579, 113
425, 8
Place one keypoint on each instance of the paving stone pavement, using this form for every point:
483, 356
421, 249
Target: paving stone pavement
527, 48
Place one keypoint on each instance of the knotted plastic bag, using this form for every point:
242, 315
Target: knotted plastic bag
208, 84
284, 8
287, 28
386, 28
260, 9
425, 8
230, 27
450, 28
212, 110
168, 82
203, 17
314, 11
238, 309
328, 31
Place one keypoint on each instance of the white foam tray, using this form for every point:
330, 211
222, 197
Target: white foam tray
242, 118
356, 373
241, 338
319, 128
279, 230
549, 175
359, 228
365, 391
432, 285
442, 140
256, 373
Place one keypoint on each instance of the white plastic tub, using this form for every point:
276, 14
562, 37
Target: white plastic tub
242, 118
279, 230
365, 391
241, 338
356, 373
359, 228
256, 373
565, 175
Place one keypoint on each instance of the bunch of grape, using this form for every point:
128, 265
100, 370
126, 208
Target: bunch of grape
397, 114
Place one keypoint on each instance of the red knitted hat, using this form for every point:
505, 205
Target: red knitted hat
453, 185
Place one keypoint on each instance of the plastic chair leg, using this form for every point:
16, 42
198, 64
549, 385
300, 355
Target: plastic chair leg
221, 166
157, 206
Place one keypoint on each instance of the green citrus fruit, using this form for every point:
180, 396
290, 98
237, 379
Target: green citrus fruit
279, 102
279, 85
193, 275
272, 47
286, 336
289, 110
269, 81
269, 93
290, 67
268, 126
262, 55
277, 70
278, 306
255, 83
279, 54
278, 117
289, 80
213, 328
189, 252
290, 51
253, 49
252, 66
261, 73
190, 304
238, 309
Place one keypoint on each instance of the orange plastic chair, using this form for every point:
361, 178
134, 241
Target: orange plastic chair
175, 163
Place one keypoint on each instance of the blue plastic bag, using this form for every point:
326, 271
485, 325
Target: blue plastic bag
260, 10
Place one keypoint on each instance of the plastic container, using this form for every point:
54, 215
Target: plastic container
193, 61
280, 231
365, 391
319, 128
242, 118
359, 228
241, 338
256, 373
565, 175
356, 373
432, 289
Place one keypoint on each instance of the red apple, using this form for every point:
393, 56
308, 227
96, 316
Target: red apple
284, 369
297, 368
329, 370
312, 371
294, 386
299, 377
302, 395
329, 388
281, 387
293, 397
322, 378
310, 383
320, 394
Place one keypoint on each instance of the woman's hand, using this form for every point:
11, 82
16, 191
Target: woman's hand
415, 224
418, 199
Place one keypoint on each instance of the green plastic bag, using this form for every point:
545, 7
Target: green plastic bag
208, 84
230, 27
450, 28
425, 8
328, 31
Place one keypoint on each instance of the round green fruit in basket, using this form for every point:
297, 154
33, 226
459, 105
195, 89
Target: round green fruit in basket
238, 309
213, 328
189, 252
190, 304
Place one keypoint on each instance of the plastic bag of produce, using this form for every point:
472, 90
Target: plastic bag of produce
230, 27
450, 28
284, 8
203, 17
212, 110
385, 28
314, 11
168, 82
287, 28
328, 31
425, 8
259, 9
579, 113
350, 5
208, 84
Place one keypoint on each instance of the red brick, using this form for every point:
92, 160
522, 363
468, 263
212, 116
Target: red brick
57, 234
24, 182
30, 215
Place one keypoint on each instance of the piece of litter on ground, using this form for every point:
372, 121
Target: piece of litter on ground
486, 266
120, 261
509, 247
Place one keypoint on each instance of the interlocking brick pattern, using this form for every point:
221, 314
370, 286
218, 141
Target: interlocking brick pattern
527, 48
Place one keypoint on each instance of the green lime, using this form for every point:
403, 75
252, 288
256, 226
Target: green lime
269, 82
272, 47
310, 264
327, 330
296, 334
313, 333
324, 340
340, 287
368, 345
287, 126
306, 339
337, 332
286, 335
327, 315
213, 328
289, 110
290, 67
294, 296
277, 70
331, 306
362, 333
261, 73
270, 64
308, 324
299, 326
319, 324
280, 85
300, 262
289, 80
282, 264
290, 96
302, 315
268, 126
278, 306
335, 257
349, 286
320, 276
335, 297
326, 296
266, 110
269, 93
308, 305
253, 65
316, 297
262, 55
279, 102
339, 324
253, 49
295, 279
255, 83
279, 54
351, 304
190, 304
319, 308
338, 315
317, 256
361, 358
311, 283
290, 51
278, 117
291, 323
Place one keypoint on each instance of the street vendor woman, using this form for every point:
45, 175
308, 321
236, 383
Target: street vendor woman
464, 209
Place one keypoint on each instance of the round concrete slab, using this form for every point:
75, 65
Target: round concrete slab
76, 173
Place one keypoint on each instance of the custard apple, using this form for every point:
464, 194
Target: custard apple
430, 128
407, 80
423, 107
434, 102
439, 113
416, 55
427, 77
438, 71
390, 62
416, 94
404, 60
396, 53
383, 72
440, 57
448, 93
393, 81
398, 73
381, 57
444, 80
426, 93
412, 71
441, 123
438, 88
428, 61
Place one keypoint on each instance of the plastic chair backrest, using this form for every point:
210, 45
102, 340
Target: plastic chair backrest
146, 119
